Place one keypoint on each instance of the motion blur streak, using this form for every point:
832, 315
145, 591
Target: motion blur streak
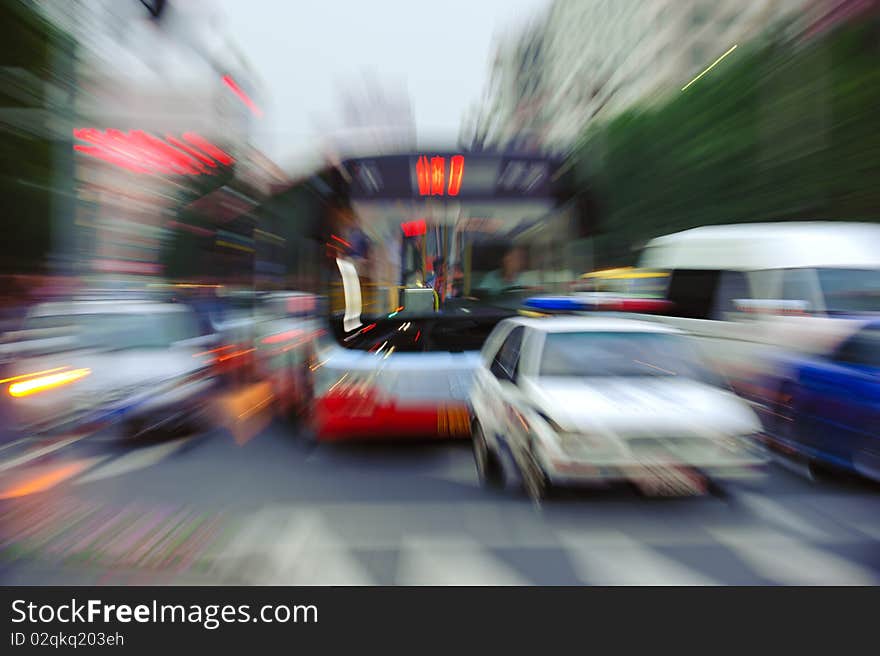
36, 373
44, 481
43, 383
710, 67
280, 304
229, 82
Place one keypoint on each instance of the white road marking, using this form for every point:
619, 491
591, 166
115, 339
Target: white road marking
784, 560
458, 470
871, 530
777, 514
138, 459
39, 453
612, 558
288, 547
23, 440
454, 561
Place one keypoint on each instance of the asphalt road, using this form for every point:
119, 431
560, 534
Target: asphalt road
271, 508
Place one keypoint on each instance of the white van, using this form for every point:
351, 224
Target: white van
746, 287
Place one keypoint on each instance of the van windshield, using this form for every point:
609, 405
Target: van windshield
850, 290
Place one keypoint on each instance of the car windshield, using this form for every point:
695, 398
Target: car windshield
850, 290
125, 331
588, 354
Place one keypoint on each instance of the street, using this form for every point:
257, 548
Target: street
276, 509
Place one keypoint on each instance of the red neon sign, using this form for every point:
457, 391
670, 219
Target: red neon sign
414, 228
438, 166
456, 172
431, 175
423, 174
142, 152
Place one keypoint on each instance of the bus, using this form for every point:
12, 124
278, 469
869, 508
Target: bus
422, 254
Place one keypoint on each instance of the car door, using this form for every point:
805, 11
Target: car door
840, 401
504, 369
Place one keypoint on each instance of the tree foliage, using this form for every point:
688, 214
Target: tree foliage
781, 130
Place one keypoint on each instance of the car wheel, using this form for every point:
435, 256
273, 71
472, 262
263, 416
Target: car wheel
488, 465
301, 392
784, 412
536, 484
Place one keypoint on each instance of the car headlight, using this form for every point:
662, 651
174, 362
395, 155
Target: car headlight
574, 441
582, 441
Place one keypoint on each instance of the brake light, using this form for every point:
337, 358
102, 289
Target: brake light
44, 383
646, 305
235, 354
282, 337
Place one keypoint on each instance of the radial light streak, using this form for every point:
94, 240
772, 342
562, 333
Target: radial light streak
711, 66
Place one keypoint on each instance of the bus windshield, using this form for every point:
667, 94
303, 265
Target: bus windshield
438, 275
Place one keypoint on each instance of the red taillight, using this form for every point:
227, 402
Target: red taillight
646, 305
282, 337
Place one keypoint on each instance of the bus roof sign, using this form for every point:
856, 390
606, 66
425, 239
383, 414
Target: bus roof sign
472, 176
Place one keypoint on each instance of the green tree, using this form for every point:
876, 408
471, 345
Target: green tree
784, 129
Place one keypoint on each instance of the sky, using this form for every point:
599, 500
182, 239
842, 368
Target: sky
304, 51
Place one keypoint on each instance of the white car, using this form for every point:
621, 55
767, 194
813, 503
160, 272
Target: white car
571, 400
140, 363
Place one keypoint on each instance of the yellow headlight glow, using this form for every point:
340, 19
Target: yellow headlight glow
43, 383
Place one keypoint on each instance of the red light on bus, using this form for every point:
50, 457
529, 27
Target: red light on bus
414, 228
438, 170
431, 175
423, 174
251, 105
456, 172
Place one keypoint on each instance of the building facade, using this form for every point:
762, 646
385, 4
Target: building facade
161, 127
583, 60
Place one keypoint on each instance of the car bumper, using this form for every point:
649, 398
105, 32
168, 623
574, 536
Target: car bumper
183, 403
563, 469
336, 422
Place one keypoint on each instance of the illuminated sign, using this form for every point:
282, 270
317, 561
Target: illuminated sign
431, 175
142, 152
414, 228
447, 176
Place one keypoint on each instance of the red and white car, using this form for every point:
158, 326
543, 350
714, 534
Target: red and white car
393, 385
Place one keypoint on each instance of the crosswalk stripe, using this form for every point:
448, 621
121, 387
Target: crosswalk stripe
454, 561
777, 514
613, 558
38, 453
871, 530
139, 459
457, 471
788, 561
39, 479
281, 546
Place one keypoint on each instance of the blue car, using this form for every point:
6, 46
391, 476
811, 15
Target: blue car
828, 406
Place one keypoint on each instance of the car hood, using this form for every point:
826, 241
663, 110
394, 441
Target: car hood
121, 371
642, 406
